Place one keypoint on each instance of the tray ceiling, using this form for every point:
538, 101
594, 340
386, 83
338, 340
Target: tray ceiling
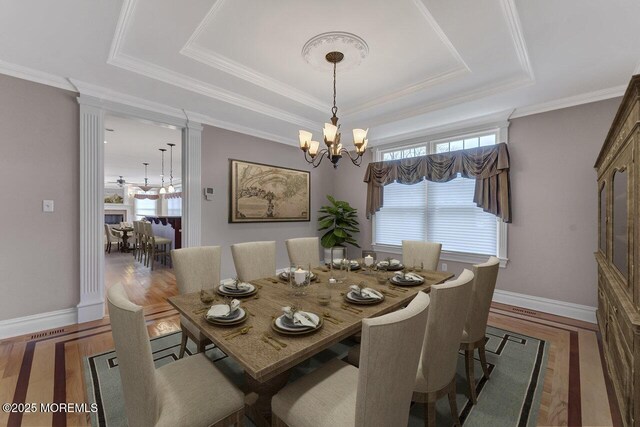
239, 64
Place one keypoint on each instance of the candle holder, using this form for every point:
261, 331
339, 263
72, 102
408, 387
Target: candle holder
301, 280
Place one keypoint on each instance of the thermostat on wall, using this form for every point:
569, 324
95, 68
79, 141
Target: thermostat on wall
208, 193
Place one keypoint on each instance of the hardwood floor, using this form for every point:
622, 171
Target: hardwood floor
47, 366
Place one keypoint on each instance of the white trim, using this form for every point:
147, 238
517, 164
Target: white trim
37, 322
571, 101
515, 28
470, 125
466, 258
546, 305
192, 188
34, 75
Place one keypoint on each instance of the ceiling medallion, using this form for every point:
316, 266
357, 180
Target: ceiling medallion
354, 48
334, 150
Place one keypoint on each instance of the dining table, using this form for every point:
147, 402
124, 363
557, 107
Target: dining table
125, 236
266, 355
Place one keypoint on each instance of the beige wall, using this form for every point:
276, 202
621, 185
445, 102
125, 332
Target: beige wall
218, 146
554, 231
39, 159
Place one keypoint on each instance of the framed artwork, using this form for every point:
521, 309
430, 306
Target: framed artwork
266, 193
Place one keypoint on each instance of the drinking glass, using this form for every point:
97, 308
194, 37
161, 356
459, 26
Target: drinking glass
343, 270
207, 293
323, 293
382, 275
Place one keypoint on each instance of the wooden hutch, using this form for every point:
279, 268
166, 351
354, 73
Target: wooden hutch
618, 167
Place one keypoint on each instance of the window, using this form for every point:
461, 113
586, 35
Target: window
439, 212
174, 207
145, 207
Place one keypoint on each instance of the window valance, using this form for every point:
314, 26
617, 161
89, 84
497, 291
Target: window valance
489, 166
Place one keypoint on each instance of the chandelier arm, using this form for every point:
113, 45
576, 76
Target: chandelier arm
357, 160
315, 161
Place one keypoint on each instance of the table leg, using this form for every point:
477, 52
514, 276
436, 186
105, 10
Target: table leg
258, 402
125, 242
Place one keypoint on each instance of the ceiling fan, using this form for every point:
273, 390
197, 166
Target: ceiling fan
120, 181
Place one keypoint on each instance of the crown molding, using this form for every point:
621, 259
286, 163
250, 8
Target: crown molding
515, 29
150, 70
36, 76
469, 96
495, 120
192, 50
571, 101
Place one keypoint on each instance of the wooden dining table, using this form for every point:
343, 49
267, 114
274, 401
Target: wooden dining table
267, 368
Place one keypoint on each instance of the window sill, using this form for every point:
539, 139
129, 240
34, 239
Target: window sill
444, 255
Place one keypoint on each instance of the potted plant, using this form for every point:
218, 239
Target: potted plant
340, 221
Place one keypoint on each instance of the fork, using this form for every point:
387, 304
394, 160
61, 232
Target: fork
396, 288
271, 337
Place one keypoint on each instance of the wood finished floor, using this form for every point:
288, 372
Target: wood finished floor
47, 366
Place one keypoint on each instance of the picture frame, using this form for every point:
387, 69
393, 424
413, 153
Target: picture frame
260, 192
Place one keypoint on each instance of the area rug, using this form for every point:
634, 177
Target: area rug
511, 397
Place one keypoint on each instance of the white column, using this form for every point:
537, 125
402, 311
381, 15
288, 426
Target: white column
191, 185
91, 306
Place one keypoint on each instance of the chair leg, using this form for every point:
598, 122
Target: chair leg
183, 344
430, 414
483, 359
453, 404
468, 361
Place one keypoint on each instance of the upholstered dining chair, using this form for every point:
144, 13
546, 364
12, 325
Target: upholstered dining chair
376, 394
111, 238
156, 246
137, 240
188, 392
304, 251
437, 369
195, 268
484, 283
254, 260
417, 253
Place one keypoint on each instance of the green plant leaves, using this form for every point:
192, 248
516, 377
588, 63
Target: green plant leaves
340, 220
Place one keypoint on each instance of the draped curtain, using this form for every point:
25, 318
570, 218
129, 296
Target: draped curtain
489, 166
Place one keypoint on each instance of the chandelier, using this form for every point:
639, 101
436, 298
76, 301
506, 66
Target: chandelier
334, 150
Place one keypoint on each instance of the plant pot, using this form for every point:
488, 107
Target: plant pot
338, 253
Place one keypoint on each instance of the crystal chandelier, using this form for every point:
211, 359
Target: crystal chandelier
334, 150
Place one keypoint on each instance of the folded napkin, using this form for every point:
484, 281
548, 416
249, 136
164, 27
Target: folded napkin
241, 286
223, 310
366, 292
300, 318
392, 262
409, 277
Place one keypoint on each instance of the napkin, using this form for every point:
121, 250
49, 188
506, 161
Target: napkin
300, 318
223, 310
392, 262
409, 277
366, 292
242, 286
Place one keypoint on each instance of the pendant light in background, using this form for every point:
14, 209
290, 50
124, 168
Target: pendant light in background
162, 189
171, 188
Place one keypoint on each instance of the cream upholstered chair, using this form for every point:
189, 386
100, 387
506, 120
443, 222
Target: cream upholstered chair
437, 369
111, 238
416, 253
254, 260
304, 251
376, 394
156, 246
195, 268
188, 392
484, 283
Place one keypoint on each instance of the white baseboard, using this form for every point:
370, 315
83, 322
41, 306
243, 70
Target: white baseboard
37, 322
546, 305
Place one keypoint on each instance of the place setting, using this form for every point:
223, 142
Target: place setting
362, 295
228, 314
352, 265
236, 288
390, 264
294, 321
290, 274
402, 278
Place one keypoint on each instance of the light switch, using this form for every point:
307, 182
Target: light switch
47, 206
